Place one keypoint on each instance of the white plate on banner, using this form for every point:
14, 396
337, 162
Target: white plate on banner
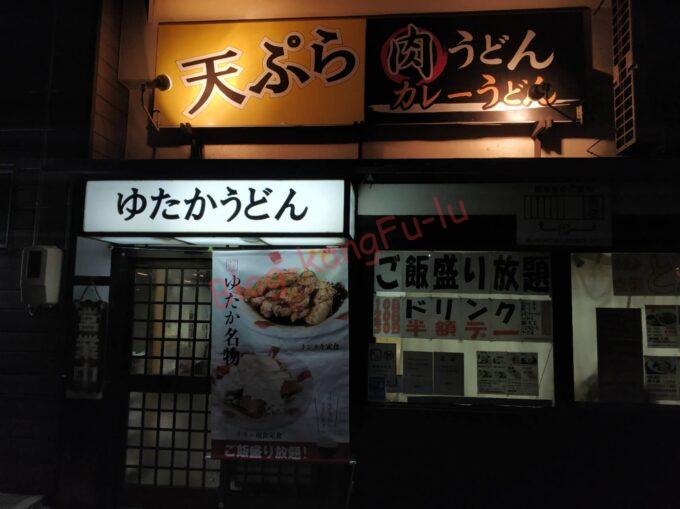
227, 415
255, 322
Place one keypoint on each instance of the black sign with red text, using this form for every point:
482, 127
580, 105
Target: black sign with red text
512, 67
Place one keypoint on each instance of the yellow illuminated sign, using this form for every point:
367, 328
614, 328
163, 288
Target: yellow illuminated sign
274, 73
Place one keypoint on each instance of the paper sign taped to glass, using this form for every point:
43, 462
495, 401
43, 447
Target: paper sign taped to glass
264, 73
280, 356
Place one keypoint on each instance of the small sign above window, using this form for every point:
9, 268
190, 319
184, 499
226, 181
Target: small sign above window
514, 67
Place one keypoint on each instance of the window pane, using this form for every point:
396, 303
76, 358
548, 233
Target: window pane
625, 319
148, 457
189, 294
163, 478
158, 276
171, 330
458, 322
138, 348
203, 312
165, 439
188, 312
151, 400
204, 294
202, 349
142, 277
134, 438
135, 418
203, 276
170, 349
167, 401
186, 349
203, 331
182, 420
136, 399
141, 311
188, 331
179, 478
191, 277
184, 368
166, 420
198, 402
132, 475
183, 401
164, 458
137, 367
173, 294
181, 440
139, 330
169, 367
172, 312
196, 479
141, 293
174, 276
149, 438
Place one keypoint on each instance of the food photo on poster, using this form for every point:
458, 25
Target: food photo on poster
280, 357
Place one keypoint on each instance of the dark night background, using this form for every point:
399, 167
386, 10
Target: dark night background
573, 455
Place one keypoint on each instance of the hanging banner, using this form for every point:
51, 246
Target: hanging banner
264, 73
280, 356
86, 380
475, 68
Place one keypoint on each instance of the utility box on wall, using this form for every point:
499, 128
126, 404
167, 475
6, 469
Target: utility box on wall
40, 275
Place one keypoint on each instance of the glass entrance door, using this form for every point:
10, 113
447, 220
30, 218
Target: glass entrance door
168, 425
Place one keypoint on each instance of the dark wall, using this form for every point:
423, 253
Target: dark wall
47, 49
31, 347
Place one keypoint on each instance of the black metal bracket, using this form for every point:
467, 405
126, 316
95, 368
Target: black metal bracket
195, 142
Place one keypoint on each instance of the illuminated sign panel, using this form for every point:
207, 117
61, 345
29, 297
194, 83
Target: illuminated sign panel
283, 73
216, 207
509, 67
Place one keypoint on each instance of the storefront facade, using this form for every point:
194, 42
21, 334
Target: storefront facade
494, 326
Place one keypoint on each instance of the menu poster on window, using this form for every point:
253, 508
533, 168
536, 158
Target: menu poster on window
646, 273
382, 370
417, 376
536, 320
448, 374
388, 272
662, 326
476, 318
523, 374
279, 364
509, 373
661, 377
492, 373
386, 317
461, 272
619, 354
506, 319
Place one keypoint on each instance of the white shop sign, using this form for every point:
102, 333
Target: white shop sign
216, 206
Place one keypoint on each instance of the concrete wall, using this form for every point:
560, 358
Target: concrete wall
137, 63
